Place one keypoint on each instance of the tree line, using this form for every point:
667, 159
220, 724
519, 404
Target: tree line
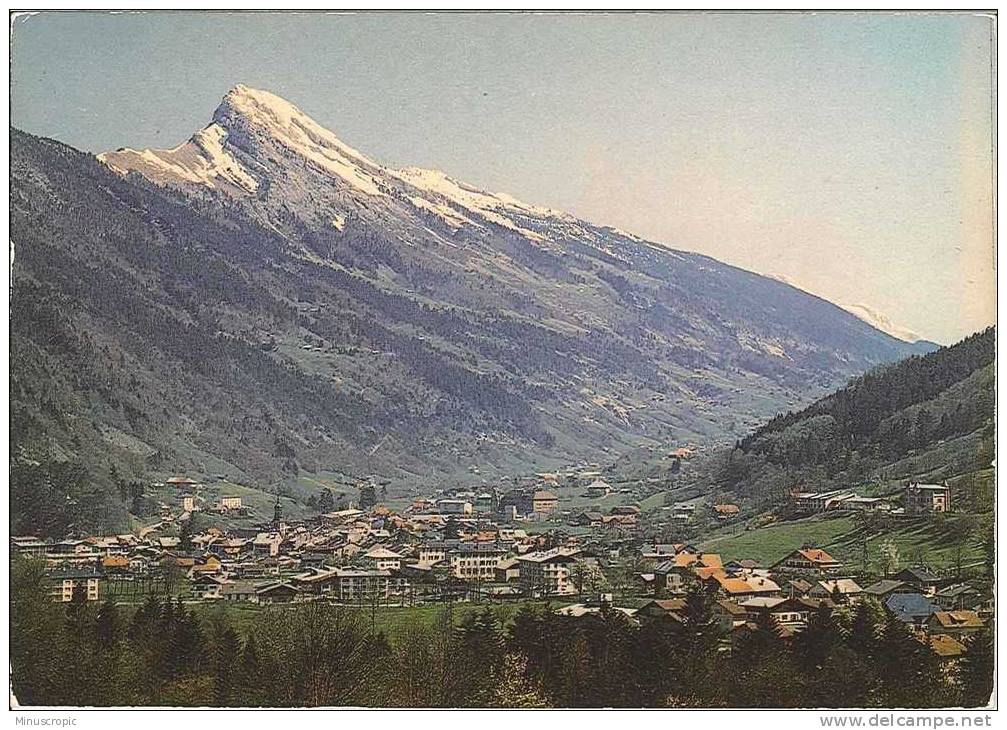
163, 653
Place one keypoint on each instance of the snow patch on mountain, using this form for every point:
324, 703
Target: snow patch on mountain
882, 322
625, 234
211, 141
485, 205
202, 160
448, 214
785, 280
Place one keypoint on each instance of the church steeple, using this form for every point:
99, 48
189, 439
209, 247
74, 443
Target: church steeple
277, 511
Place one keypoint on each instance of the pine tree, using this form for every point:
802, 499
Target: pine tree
143, 620
225, 659
907, 667
368, 497
864, 632
701, 634
250, 671
814, 644
37, 631
977, 669
107, 624
761, 673
479, 648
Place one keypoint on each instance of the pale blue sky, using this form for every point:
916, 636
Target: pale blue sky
847, 153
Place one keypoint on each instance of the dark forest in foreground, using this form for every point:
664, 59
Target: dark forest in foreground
323, 655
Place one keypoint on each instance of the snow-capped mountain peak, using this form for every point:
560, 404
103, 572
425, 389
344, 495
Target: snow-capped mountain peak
264, 113
254, 131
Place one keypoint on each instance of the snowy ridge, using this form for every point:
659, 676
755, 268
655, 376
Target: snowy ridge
202, 160
882, 322
486, 205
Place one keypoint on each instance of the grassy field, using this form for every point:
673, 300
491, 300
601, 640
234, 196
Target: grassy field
394, 621
917, 540
771, 543
653, 502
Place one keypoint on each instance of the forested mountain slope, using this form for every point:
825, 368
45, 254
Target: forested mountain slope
927, 415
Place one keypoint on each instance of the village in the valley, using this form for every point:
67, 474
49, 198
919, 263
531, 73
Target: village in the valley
569, 539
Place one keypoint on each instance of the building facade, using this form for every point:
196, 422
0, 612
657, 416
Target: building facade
923, 499
548, 572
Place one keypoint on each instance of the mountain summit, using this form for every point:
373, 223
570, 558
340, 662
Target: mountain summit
264, 301
208, 157
256, 136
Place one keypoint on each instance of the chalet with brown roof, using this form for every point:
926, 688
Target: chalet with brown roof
238, 591
619, 520
625, 509
705, 572
726, 511
662, 608
729, 614
787, 612
211, 566
711, 560
280, 592
207, 586
177, 561
598, 489
810, 560
672, 575
921, 578
685, 559
841, 590
742, 588
957, 597
947, 648
954, 623
797, 587
746, 565
381, 558
115, 563
883, 588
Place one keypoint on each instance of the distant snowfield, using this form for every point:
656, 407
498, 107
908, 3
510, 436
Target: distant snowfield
865, 313
880, 321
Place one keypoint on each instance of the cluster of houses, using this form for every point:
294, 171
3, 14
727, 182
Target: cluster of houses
435, 549
919, 500
540, 503
937, 609
460, 545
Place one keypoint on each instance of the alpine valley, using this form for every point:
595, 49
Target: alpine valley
264, 302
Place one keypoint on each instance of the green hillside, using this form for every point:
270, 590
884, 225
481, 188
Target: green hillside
929, 417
